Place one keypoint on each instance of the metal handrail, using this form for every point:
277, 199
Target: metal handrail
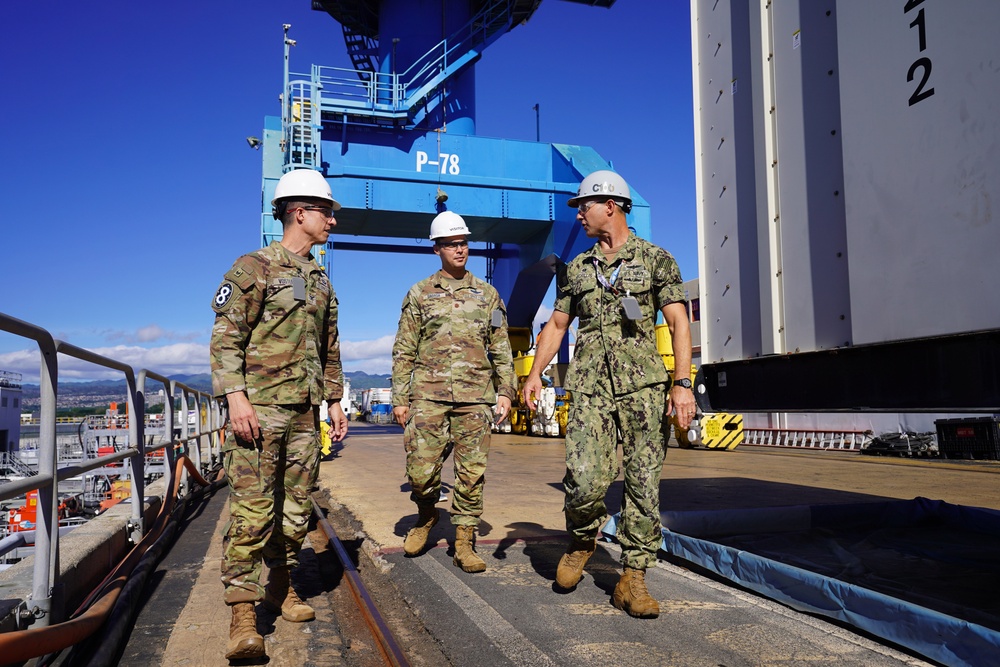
425, 68
390, 93
46, 569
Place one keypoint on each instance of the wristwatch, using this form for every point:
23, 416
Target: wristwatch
684, 382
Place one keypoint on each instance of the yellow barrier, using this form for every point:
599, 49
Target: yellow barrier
522, 365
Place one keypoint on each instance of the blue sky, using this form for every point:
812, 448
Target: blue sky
130, 189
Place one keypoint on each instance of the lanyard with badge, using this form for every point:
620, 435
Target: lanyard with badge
629, 303
299, 288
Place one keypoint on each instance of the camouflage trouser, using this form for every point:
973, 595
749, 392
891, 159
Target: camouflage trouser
592, 465
269, 483
429, 428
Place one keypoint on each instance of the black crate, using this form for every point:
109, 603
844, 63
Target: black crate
970, 438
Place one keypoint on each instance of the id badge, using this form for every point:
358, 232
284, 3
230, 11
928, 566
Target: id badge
631, 306
299, 289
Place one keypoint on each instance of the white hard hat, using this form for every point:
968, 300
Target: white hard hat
602, 183
447, 223
304, 183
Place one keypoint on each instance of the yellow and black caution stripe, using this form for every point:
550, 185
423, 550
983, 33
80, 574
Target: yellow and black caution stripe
721, 430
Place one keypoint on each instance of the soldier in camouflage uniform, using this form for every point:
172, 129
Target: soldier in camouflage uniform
275, 356
619, 384
451, 361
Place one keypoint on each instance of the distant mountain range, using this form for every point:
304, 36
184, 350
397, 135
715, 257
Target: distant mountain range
101, 392
200, 382
362, 380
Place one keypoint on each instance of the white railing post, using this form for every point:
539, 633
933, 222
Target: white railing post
46, 570
40, 610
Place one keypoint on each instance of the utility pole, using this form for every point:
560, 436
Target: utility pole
538, 124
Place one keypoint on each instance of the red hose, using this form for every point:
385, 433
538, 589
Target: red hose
23, 645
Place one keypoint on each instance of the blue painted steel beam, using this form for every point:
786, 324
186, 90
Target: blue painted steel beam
511, 193
593, 3
404, 249
393, 139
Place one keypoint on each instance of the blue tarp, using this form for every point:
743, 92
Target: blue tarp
920, 573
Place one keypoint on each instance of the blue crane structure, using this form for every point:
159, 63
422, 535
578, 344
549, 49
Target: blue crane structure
396, 138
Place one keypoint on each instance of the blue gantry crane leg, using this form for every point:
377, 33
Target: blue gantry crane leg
395, 133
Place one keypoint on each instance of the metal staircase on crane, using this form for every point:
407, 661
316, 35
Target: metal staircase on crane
370, 97
399, 97
359, 21
363, 51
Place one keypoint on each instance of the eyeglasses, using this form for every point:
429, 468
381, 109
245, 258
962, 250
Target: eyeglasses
585, 206
325, 211
454, 244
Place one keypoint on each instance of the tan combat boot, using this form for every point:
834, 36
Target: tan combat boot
244, 642
416, 539
632, 597
465, 557
570, 569
280, 596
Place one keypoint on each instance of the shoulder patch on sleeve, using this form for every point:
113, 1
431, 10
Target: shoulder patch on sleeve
241, 277
223, 296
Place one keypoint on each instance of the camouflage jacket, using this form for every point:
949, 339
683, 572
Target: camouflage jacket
608, 343
275, 333
446, 347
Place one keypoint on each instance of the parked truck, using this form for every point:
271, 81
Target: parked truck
376, 405
847, 167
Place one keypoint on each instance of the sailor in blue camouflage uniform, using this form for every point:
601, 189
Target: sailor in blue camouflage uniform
451, 361
619, 384
275, 356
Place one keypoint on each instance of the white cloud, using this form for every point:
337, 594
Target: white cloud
184, 357
378, 349
175, 359
541, 317
25, 362
150, 334
371, 356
